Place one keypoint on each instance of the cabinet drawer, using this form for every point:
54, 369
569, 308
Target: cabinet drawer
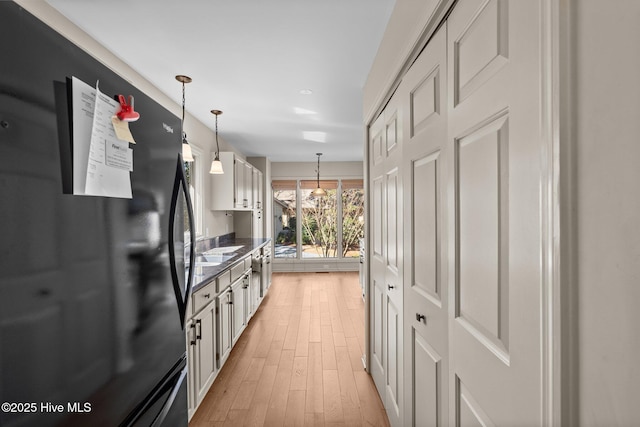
247, 263
223, 280
236, 271
203, 296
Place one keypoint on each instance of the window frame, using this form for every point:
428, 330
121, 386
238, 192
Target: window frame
299, 259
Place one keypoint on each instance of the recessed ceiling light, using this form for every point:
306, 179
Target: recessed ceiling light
314, 136
303, 111
306, 92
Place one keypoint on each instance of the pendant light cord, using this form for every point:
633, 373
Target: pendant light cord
182, 123
217, 145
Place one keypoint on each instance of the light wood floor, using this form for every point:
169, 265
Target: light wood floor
299, 360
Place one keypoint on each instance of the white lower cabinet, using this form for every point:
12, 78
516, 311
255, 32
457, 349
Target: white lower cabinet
201, 345
225, 313
240, 302
220, 312
202, 348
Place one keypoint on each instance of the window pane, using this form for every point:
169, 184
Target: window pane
319, 220
352, 219
284, 221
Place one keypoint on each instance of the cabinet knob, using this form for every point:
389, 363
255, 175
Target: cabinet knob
390, 287
421, 317
207, 296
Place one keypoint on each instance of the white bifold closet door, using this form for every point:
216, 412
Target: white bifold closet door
386, 260
494, 213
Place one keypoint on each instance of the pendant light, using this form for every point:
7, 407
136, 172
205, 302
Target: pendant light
318, 192
216, 164
187, 156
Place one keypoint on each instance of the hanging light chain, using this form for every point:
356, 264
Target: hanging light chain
183, 101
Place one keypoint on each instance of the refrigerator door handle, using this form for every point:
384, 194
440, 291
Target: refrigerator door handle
180, 184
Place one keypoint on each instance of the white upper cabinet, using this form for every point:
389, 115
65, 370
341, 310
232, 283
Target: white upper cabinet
233, 190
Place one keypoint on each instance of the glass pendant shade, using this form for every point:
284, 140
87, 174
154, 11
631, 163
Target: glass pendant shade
216, 167
187, 155
319, 192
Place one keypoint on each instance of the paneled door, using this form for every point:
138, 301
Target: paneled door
386, 258
393, 234
494, 212
377, 255
425, 155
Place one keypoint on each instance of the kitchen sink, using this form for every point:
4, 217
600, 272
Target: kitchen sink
222, 250
207, 263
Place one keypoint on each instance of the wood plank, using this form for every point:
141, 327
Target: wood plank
328, 349
260, 402
291, 337
294, 415
302, 343
279, 396
332, 400
314, 419
299, 374
314, 400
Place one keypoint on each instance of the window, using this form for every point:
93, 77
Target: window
284, 221
319, 220
352, 217
308, 227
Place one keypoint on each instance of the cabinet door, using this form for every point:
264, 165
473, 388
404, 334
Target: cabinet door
239, 183
248, 185
203, 361
224, 326
238, 299
190, 338
257, 188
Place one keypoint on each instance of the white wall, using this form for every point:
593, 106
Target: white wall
328, 170
406, 24
607, 204
199, 135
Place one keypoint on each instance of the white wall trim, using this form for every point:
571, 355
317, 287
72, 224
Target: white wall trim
557, 289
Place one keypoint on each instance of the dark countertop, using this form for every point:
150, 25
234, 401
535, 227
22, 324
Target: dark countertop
205, 274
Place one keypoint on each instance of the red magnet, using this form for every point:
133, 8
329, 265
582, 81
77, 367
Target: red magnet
126, 112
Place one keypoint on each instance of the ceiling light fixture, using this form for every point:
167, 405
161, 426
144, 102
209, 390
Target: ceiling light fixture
187, 156
216, 164
314, 136
318, 192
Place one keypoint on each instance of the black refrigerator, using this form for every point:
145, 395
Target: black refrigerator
93, 290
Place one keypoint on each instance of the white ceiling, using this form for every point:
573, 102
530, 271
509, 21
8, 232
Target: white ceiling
251, 59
